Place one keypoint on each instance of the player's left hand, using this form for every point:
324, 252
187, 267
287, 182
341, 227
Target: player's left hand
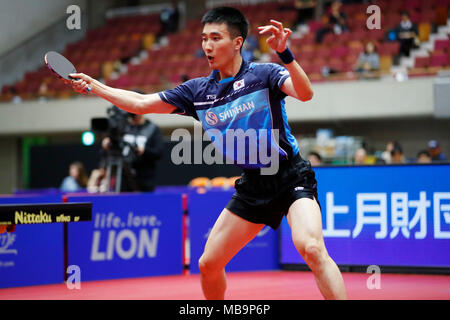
277, 41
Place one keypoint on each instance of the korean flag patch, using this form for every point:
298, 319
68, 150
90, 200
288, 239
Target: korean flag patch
238, 85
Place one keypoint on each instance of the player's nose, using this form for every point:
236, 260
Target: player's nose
207, 46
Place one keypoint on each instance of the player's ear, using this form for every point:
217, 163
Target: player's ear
238, 43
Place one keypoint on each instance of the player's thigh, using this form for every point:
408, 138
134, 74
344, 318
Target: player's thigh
229, 234
304, 218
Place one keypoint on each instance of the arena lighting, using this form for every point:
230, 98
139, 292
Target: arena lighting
88, 138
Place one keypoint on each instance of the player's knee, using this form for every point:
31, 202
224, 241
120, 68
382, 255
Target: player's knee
312, 251
208, 266
315, 253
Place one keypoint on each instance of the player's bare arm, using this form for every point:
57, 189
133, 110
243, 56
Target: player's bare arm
298, 84
124, 99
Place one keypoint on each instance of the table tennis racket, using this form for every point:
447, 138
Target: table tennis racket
59, 65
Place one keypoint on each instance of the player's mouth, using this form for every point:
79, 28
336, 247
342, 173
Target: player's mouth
210, 59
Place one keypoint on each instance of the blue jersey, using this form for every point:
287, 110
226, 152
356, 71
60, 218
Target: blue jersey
250, 103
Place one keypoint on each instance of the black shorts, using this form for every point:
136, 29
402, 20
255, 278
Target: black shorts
266, 199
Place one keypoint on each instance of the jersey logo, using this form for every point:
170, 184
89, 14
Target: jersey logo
284, 72
238, 85
211, 118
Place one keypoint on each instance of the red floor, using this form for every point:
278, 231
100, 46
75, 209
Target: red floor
270, 285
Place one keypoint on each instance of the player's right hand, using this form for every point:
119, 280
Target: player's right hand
81, 85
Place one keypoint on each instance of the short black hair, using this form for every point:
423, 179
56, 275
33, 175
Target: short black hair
397, 148
315, 154
234, 19
423, 152
405, 13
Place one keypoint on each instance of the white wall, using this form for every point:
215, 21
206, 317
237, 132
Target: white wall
21, 19
331, 101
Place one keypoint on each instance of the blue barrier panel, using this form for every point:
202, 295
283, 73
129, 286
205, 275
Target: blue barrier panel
204, 209
382, 215
33, 254
130, 235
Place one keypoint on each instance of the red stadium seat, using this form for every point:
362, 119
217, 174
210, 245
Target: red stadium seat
421, 62
441, 44
389, 48
439, 59
339, 52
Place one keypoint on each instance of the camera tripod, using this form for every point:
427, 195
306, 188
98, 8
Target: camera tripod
114, 161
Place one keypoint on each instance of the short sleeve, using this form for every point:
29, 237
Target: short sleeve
277, 75
181, 97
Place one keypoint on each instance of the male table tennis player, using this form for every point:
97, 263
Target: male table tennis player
259, 199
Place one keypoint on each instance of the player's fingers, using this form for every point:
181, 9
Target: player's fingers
278, 24
270, 40
263, 28
272, 29
288, 32
76, 75
78, 85
80, 76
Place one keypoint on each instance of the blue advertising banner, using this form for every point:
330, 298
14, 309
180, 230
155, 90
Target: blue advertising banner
204, 209
33, 254
382, 215
130, 235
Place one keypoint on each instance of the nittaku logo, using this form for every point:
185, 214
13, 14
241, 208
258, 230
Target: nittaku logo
211, 118
7, 240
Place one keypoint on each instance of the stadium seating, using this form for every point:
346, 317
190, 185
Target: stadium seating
103, 50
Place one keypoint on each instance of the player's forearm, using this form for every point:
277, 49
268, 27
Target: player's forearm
126, 100
300, 81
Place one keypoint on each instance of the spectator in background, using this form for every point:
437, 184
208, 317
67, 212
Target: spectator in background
305, 11
97, 180
360, 156
315, 159
435, 151
335, 22
386, 155
407, 34
169, 19
368, 61
397, 156
77, 179
423, 157
16, 99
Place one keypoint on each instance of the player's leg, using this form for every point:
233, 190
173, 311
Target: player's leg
305, 220
229, 235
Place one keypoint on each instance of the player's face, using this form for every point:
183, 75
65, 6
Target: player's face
218, 45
